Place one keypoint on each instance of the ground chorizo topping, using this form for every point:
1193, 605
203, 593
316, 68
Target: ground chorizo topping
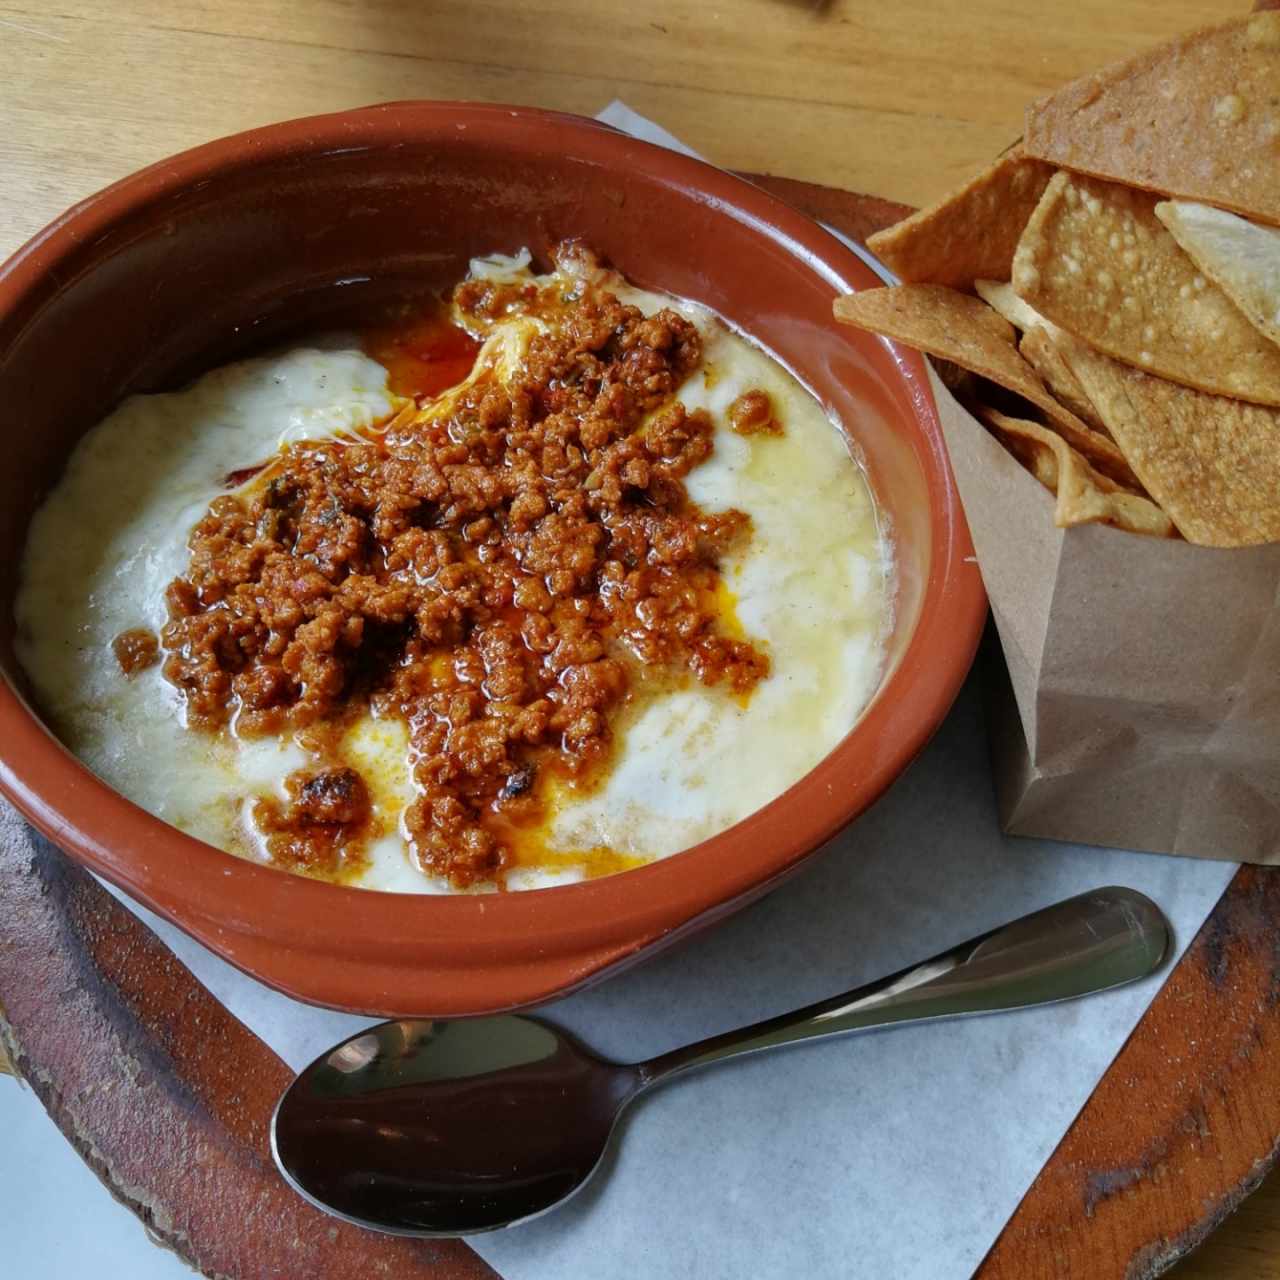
136, 650
328, 812
502, 568
751, 414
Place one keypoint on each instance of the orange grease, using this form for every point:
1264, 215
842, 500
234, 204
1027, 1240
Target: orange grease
424, 352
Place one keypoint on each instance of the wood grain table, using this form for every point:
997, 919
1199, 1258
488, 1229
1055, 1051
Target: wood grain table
901, 99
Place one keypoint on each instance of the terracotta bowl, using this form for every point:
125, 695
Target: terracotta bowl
253, 237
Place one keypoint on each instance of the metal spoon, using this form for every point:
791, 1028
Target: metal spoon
450, 1128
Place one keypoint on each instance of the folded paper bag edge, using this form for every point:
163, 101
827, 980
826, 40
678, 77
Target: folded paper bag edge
1145, 707
1010, 516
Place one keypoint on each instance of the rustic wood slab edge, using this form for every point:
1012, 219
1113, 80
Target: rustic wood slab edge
167, 1096
164, 1094
1184, 1125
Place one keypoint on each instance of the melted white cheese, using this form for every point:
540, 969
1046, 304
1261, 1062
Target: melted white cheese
813, 587
111, 537
810, 587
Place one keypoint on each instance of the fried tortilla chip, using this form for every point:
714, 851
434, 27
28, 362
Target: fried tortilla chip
1084, 496
1037, 456
1195, 118
969, 333
1240, 257
1040, 351
970, 233
1096, 260
1211, 462
1022, 315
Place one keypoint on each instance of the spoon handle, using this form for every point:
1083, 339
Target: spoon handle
1098, 940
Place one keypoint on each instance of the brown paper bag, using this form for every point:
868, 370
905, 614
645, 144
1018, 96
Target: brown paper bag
1145, 673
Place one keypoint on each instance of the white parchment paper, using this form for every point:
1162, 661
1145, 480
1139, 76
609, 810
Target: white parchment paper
900, 1154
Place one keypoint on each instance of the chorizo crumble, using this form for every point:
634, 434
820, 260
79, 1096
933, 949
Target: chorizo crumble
136, 650
751, 414
501, 567
328, 811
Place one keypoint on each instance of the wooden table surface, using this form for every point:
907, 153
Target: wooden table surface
901, 99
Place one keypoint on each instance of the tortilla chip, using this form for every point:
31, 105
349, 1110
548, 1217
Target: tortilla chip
970, 233
1211, 462
1096, 260
1240, 257
969, 333
1084, 496
1022, 315
1040, 351
1194, 118
1036, 456
1037, 349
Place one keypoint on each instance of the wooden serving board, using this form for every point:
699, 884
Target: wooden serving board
168, 1097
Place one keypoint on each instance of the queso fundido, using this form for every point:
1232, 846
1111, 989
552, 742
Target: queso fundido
544, 583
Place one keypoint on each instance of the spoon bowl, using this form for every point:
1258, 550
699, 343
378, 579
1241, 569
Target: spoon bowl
441, 1128
449, 1128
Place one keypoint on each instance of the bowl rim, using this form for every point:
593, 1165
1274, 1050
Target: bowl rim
400, 944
